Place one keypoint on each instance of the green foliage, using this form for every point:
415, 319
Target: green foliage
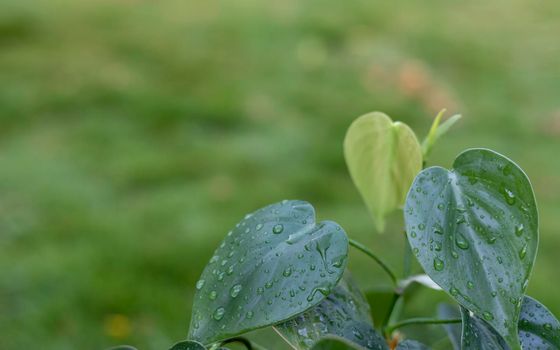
345, 313
383, 157
474, 230
187, 345
273, 265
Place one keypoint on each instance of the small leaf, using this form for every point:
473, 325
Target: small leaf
474, 230
447, 311
383, 157
538, 330
411, 345
188, 345
275, 264
437, 131
345, 313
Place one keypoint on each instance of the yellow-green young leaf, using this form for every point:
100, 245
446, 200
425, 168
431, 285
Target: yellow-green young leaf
383, 158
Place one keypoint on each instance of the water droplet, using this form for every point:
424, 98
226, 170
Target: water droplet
438, 264
454, 291
268, 285
234, 291
249, 315
260, 290
259, 227
488, 316
277, 229
441, 206
491, 240
357, 333
416, 251
421, 226
438, 246
454, 254
461, 241
523, 252
548, 326
213, 295
519, 230
287, 272
461, 220
509, 196
438, 230
219, 313
470, 285
200, 284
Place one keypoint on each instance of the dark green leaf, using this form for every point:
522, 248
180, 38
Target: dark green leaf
275, 264
446, 311
345, 313
188, 345
474, 230
411, 345
538, 330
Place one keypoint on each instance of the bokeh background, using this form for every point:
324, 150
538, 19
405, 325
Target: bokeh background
135, 133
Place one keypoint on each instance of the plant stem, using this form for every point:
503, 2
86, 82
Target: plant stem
420, 320
284, 338
378, 260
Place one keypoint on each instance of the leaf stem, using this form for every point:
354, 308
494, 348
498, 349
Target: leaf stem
378, 260
420, 320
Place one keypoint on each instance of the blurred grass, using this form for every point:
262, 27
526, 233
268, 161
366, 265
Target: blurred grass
134, 134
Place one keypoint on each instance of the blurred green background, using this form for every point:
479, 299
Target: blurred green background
135, 133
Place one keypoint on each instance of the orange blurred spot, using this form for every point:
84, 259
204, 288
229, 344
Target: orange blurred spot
117, 326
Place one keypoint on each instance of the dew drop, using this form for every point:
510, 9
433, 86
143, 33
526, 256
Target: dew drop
277, 229
213, 295
488, 316
454, 291
259, 227
523, 252
519, 230
219, 313
421, 226
509, 196
234, 291
287, 272
438, 264
200, 284
470, 285
461, 241
249, 315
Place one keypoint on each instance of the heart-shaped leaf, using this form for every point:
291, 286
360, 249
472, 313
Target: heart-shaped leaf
474, 230
383, 157
446, 311
188, 345
538, 330
344, 313
275, 264
411, 345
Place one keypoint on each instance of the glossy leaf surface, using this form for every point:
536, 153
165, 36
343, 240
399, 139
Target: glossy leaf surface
188, 345
383, 157
474, 230
538, 330
276, 263
344, 313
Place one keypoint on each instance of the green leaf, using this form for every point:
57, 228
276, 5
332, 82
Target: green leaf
538, 329
380, 300
437, 131
275, 264
188, 345
411, 345
446, 311
332, 342
474, 230
345, 313
383, 157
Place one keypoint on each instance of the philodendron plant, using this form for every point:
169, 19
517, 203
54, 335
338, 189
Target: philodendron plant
473, 229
